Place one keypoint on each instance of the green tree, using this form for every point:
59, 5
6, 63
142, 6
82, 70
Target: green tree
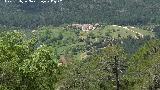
143, 71
96, 72
24, 66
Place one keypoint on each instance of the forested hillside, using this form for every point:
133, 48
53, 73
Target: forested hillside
122, 12
80, 45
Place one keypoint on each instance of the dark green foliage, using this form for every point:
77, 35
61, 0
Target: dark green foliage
124, 12
143, 72
96, 72
131, 45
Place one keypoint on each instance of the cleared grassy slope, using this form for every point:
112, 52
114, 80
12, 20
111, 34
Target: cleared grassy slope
116, 31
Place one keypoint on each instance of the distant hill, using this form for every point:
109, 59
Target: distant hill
121, 12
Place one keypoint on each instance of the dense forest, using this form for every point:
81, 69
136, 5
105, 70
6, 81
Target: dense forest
122, 12
80, 45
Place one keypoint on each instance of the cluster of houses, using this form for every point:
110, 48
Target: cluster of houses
84, 27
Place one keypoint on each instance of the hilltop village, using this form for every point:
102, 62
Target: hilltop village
91, 27
84, 27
